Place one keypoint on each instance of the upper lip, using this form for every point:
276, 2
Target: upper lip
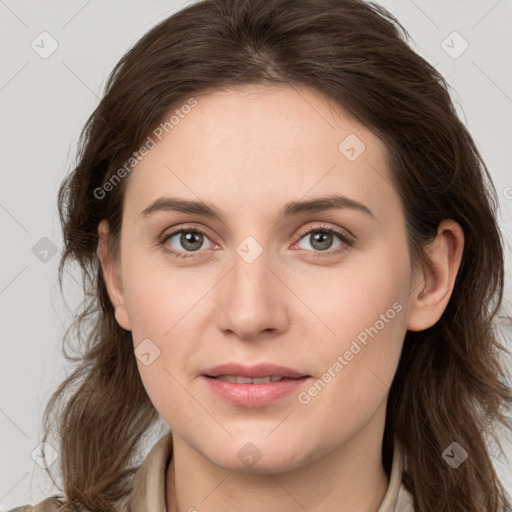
257, 371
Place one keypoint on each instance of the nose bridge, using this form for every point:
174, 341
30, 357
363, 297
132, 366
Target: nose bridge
250, 277
248, 302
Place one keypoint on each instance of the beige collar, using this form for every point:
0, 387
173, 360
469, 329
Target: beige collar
148, 489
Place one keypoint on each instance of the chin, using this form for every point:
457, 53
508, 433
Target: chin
257, 455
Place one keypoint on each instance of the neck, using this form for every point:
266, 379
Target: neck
351, 478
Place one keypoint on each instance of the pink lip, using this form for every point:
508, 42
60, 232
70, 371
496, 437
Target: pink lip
253, 395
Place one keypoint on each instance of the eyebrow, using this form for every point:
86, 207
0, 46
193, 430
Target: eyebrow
292, 208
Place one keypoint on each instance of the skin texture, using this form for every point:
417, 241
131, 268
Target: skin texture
248, 151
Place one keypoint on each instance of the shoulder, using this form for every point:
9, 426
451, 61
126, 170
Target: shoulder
48, 505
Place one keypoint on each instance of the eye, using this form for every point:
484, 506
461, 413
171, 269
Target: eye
190, 239
321, 238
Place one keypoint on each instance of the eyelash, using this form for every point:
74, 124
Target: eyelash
190, 229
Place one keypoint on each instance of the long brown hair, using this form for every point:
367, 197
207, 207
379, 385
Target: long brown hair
450, 384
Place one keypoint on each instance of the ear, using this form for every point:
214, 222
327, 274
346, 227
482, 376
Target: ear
111, 269
434, 284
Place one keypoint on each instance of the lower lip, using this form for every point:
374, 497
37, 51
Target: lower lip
254, 395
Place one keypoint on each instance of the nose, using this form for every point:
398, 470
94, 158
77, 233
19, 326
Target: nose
252, 298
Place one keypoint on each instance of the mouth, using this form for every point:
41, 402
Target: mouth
253, 386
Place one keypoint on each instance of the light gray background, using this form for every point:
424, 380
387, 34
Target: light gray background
44, 104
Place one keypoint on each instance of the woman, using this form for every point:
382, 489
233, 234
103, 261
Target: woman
290, 254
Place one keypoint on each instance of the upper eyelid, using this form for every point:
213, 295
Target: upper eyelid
335, 229
168, 233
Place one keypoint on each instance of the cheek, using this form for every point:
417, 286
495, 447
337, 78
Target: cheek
357, 367
164, 307
363, 314
365, 290
159, 297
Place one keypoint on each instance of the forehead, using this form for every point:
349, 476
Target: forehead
258, 146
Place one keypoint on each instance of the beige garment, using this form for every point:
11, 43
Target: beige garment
148, 489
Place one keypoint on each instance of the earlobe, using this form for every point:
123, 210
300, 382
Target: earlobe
434, 286
112, 274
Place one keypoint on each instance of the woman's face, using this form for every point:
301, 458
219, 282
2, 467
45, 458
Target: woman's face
266, 283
